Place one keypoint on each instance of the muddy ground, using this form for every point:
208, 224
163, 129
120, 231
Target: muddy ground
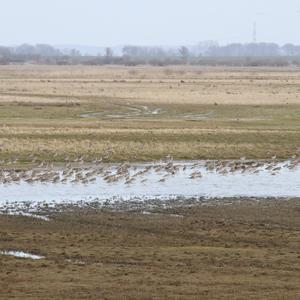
229, 249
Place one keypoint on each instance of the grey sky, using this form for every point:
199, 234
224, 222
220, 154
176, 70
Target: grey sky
147, 22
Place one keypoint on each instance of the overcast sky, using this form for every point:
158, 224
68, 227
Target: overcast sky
147, 22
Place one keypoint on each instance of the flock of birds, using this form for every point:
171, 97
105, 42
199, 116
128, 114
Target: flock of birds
79, 173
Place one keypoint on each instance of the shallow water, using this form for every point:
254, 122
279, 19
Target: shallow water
16, 212
262, 183
20, 254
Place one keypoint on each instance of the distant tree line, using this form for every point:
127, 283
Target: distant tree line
205, 53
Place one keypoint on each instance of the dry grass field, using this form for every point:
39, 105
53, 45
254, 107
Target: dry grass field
246, 250
59, 113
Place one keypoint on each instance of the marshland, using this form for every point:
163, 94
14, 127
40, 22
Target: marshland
149, 182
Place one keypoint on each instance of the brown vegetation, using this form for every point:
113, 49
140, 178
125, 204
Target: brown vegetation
227, 250
147, 113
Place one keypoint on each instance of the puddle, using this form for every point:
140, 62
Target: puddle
25, 214
76, 262
20, 254
169, 180
160, 214
144, 112
130, 112
197, 117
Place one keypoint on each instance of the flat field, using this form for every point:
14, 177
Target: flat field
245, 250
58, 117
60, 113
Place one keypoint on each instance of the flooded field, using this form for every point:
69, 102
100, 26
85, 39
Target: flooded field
108, 183
179, 183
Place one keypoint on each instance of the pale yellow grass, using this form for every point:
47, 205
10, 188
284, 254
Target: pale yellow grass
204, 113
150, 85
126, 150
69, 131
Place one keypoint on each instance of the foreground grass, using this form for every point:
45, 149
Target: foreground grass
246, 250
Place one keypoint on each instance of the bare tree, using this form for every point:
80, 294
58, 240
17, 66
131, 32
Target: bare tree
108, 55
184, 54
109, 52
75, 53
5, 52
